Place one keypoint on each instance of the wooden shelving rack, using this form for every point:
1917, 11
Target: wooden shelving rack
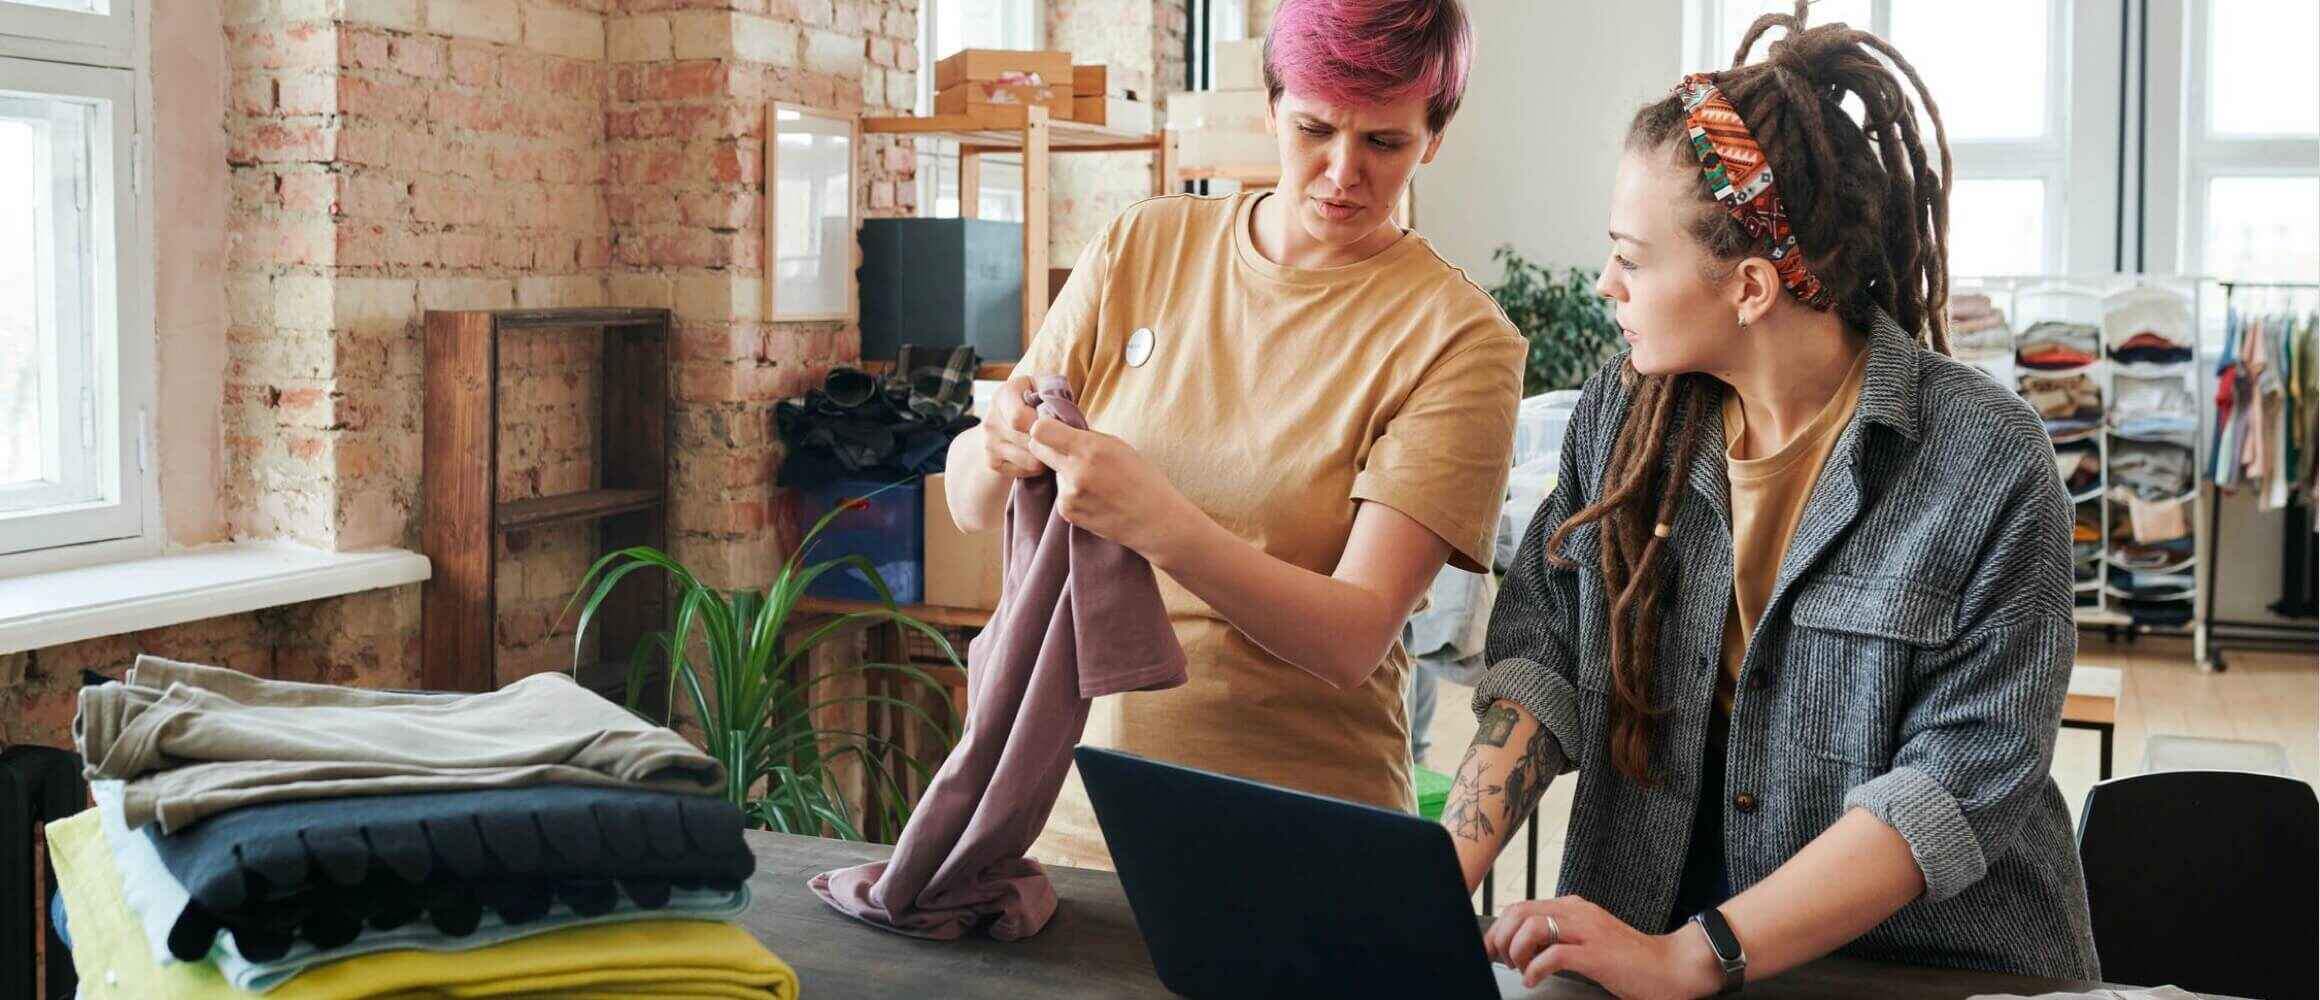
463, 517
1030, 131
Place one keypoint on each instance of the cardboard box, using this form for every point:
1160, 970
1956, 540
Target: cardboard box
1237, 110
1240, 65
1112, 112
992, 65
1209, 147
962, 570
965, 97
1090, 81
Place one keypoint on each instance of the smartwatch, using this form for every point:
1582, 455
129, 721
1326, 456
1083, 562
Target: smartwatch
1721, 940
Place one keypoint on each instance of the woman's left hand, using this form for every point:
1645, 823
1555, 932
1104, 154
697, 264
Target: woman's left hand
1542, 937
1105, 486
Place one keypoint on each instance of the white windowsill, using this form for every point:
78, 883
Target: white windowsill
47, 609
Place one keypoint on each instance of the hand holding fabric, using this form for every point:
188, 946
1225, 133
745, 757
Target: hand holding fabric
1007, 431
1105, 486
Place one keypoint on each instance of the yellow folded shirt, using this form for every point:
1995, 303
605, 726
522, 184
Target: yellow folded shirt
671, 958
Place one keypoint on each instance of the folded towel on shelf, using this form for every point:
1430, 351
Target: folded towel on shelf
660, 957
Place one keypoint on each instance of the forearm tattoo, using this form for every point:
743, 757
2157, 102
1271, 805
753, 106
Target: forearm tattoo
1465, 816
1527, 780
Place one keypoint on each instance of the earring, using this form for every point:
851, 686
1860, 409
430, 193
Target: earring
1743, 322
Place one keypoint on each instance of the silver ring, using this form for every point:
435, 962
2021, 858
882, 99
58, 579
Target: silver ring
1554, 931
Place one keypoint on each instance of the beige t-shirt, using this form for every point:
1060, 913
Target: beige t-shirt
1768, 498
1274, 397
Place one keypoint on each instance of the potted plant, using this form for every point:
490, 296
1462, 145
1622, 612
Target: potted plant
1569, 326
755, 717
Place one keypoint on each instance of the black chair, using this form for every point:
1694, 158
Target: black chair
37, 784
2206, 880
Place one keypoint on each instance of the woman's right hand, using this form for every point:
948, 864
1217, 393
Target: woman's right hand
1007, 432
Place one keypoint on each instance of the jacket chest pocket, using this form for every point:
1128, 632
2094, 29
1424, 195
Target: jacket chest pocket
1846, 664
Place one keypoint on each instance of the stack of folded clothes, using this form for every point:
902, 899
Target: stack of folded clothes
1979, 334
2150, 349
313, 841
2055, 345
2153, 406
2128, 553
2079, 463
2070, 404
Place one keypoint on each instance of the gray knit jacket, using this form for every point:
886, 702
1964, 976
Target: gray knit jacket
1912, 661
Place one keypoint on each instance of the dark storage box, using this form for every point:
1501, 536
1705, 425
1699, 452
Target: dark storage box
942, 283
889, 532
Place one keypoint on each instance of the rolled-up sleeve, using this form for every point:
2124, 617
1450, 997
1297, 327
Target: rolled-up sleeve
1442, 460
1534, 626
1977, 738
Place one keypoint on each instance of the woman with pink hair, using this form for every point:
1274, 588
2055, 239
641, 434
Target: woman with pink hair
1298, 412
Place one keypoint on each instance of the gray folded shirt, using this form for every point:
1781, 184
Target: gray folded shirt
193, 740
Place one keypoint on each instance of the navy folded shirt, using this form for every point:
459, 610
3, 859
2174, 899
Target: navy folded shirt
326, 869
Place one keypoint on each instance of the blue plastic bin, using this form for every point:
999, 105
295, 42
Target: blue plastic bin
890, 532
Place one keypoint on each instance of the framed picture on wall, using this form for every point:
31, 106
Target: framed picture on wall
810, 213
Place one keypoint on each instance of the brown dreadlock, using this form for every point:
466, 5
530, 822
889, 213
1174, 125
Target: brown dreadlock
1872, 217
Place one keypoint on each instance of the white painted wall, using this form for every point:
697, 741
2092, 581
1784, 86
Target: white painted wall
1530, 157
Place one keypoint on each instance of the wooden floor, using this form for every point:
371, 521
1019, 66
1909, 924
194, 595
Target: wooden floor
2264, 696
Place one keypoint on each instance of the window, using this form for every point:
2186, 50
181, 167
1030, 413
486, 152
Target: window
2251, 150
86, 31
2000, 72
76, 334
945, 27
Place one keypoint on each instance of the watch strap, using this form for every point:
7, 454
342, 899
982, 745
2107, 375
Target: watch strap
1729, 955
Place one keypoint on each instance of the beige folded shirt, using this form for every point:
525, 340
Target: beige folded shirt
193, 740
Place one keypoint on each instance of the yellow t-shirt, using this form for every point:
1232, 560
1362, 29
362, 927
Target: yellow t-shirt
1768, 498
1274, 398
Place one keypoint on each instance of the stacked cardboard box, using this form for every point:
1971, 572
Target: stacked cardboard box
974, 78
1225, 127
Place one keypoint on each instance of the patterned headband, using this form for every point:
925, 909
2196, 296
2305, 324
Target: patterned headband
1741, 177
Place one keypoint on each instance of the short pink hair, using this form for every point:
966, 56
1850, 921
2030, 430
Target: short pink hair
1371, 52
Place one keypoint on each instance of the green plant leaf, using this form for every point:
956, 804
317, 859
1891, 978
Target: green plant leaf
1571, 330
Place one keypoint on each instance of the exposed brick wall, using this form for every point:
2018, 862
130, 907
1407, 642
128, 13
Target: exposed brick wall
1142, 41
686, 131
386, 157
368, 638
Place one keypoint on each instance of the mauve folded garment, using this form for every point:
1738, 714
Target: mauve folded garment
324, 871
1078, 617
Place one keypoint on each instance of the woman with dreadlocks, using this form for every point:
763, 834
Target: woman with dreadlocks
1798, 612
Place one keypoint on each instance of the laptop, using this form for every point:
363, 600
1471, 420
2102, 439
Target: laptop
1244, 889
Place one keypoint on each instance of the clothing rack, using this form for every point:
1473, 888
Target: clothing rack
2242, 633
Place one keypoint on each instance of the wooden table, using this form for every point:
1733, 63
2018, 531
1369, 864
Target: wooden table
1092, 949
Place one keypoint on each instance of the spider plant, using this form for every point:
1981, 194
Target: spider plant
755, 715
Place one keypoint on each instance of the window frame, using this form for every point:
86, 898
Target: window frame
2075, 158
2204, 155
107, 38
88, 61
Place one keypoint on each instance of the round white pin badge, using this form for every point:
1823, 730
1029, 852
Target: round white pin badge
1139, 347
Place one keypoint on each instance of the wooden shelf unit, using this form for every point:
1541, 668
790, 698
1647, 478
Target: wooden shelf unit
463, 517
1030, 131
